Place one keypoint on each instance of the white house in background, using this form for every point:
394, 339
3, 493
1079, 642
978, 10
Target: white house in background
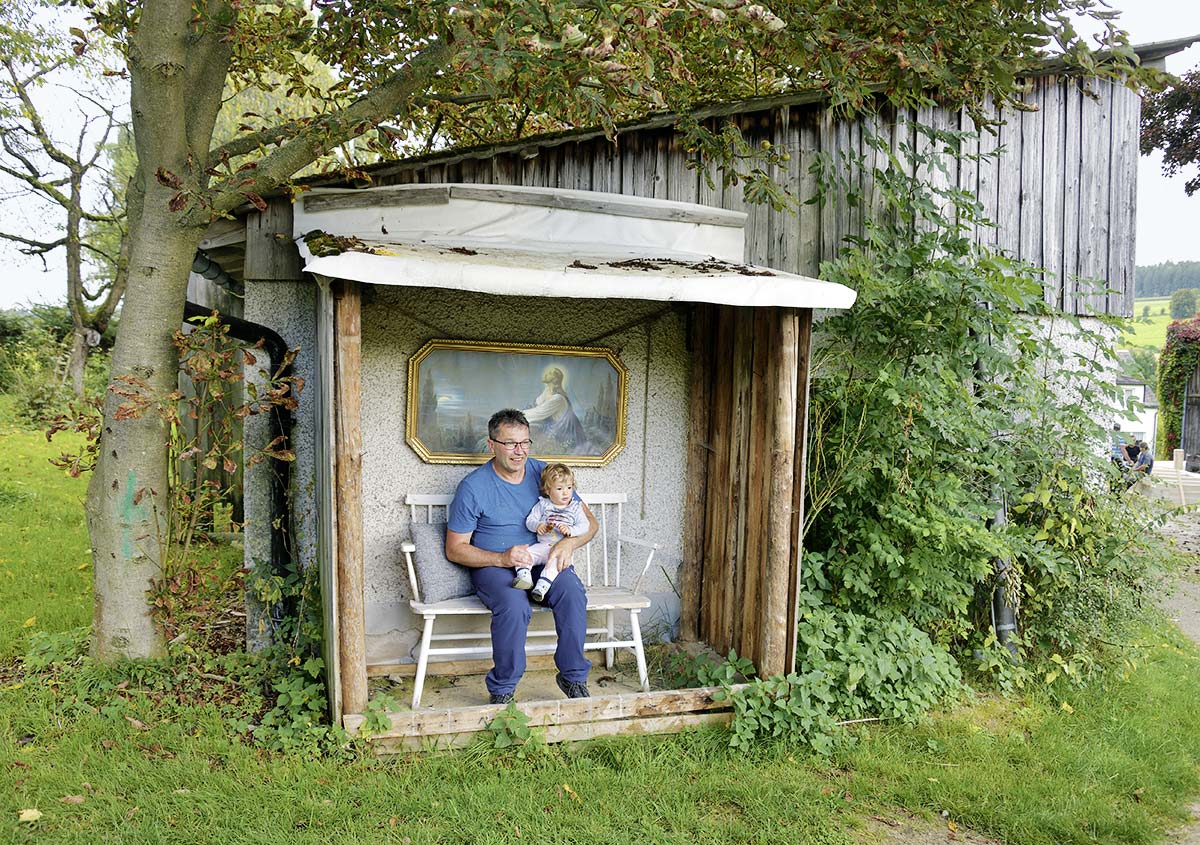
1144, 423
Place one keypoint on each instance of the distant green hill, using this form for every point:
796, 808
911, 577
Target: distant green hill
1165, 279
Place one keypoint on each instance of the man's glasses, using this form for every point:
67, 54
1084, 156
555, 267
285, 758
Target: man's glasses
512, 445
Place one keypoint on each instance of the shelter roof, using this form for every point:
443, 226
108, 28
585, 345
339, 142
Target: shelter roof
518, 241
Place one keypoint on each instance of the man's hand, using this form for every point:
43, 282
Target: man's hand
516, 557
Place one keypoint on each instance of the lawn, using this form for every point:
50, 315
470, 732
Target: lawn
1149, 331
1114, 764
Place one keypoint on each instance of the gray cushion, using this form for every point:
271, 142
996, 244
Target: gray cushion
438, 578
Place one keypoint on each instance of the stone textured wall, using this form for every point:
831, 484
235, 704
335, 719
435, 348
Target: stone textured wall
290, 309
398, 321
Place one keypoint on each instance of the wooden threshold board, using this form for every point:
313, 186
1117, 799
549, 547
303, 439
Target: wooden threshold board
666, 711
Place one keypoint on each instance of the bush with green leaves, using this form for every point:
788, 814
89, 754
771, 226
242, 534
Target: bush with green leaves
1183, 303
949, 388
1178, 361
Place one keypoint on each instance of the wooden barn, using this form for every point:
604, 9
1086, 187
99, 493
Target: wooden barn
708, 341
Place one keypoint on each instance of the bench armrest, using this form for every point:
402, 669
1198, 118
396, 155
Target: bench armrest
408, 547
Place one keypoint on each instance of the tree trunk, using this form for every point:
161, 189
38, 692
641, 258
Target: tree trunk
128, 496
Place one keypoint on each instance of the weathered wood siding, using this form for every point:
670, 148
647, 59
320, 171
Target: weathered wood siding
1062, 195
749, 405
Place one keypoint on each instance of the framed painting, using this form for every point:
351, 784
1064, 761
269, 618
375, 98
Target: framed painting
574, 398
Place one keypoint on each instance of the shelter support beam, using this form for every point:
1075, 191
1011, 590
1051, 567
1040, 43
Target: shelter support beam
804, 325
746, 480
699, 448
352, 643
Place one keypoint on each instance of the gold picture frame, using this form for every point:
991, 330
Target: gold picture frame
575, 398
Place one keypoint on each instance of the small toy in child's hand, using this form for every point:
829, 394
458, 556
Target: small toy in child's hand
543, 528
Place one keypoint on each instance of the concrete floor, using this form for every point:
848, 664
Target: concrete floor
448, 692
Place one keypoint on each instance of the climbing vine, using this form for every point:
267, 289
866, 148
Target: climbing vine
1178, 361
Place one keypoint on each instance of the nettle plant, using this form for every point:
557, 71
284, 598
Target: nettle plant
950, 388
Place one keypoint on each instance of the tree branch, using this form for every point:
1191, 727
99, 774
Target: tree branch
392, 97
35, 247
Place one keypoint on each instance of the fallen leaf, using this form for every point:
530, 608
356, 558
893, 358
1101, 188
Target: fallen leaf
932, 780
29, 816
25, 739
72, 799
107, 743
1066, 708
517, 830
951, 826
31, 621
567, 789
393, 821
129, 815
20, 764
137, 723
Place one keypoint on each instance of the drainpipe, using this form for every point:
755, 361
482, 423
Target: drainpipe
280, 419
1004, 619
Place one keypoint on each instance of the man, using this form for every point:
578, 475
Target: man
485, 530
1145, 461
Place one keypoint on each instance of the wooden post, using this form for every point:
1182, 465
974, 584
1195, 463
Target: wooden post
718, 498
352, 652
799, 473
777, 591
691, 586
270, 251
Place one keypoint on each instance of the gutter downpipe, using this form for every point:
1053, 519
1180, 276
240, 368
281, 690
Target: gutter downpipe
1004, 618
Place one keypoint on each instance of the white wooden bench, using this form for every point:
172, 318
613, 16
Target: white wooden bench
605, 591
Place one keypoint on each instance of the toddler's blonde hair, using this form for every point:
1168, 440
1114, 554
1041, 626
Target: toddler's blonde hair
555, 473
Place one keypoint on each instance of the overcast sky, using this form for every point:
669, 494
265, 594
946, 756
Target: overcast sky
1168, 220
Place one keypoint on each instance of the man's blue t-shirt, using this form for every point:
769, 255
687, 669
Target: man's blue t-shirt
494, 510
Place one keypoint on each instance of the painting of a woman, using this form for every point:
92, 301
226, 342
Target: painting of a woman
552, 415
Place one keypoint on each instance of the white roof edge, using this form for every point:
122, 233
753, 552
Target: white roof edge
514, 273
566, 198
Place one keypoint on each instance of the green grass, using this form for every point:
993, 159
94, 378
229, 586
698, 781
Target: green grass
1117, 769
1152, 331
45, 566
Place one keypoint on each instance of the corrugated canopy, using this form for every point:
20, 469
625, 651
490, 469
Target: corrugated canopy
510, 272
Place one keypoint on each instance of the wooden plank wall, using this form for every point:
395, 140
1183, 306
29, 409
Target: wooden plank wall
1062, 195
741, 540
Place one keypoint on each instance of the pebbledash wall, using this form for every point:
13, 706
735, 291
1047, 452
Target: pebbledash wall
396, 322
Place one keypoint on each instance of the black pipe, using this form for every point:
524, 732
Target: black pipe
281, 421
1004, 618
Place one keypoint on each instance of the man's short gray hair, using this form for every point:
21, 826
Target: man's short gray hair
508, 416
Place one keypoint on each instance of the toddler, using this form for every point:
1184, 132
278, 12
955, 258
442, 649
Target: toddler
556, 515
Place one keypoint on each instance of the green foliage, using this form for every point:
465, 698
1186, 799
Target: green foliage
377, 715
1144, 365
937, 397
510, 731
1171, 123
1178, 360
1183, 304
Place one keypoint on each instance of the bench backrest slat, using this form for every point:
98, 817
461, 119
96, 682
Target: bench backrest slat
434, 508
